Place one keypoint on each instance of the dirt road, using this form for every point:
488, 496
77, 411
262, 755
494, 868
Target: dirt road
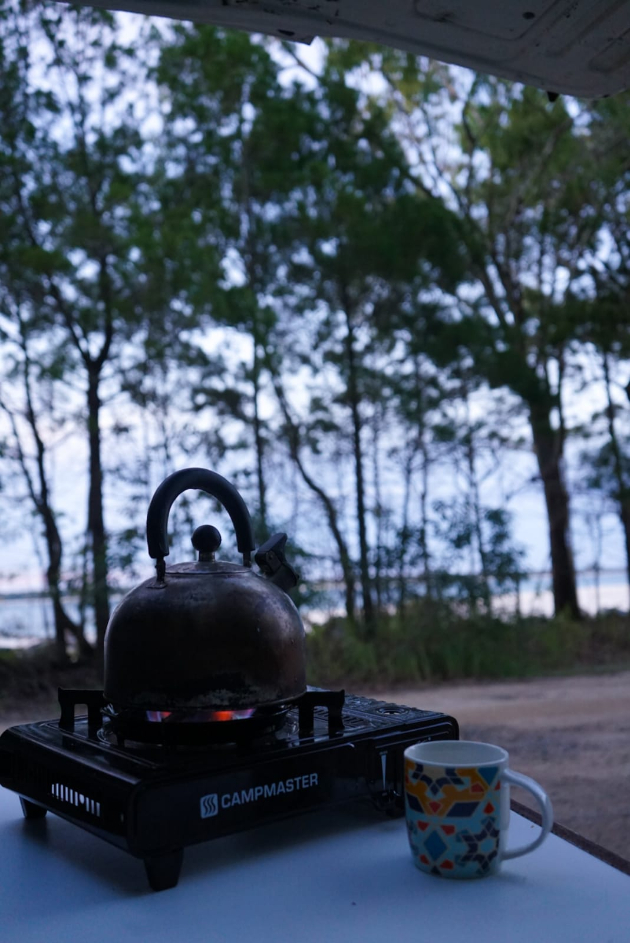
571, 734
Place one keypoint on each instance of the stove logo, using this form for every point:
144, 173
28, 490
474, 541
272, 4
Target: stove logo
210, 804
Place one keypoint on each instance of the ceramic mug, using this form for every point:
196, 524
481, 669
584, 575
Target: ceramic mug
457, 802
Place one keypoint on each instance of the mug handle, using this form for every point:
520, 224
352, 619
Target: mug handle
543, 800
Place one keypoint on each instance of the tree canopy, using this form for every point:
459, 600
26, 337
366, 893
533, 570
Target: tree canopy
360, 288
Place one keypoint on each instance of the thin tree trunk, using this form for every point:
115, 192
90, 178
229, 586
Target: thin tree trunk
293, 439
477, 523
424, 522
96, 526
623, 492
353, 396
63, 623
347, 567
40, 497
424, 492
404, 535
85, 582
249, 243
548, 455
378, 513
258, 436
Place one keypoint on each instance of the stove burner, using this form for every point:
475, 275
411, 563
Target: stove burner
191, 727
197, 717
153, 798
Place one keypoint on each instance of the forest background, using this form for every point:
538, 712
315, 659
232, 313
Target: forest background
387, 298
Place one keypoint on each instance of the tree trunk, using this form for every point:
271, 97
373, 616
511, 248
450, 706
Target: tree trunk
379, 515
353, 396
40, 496
404, 535
96, 526
425, 553
63, 623
53, 545
344, 557
258, 436
549, 454
623, 492
259, 353
293, 439
477, 519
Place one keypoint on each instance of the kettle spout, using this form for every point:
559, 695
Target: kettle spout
273, 563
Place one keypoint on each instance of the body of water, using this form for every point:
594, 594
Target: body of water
26, 621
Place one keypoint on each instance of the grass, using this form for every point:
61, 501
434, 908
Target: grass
432, 643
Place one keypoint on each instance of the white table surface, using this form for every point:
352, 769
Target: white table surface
341, 875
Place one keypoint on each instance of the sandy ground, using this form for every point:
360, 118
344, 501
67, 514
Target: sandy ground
571, 734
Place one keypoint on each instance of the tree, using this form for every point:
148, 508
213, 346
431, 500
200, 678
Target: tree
90, 216
602, 324
363, 242
28, 375
530, 182
599, 318
231, 135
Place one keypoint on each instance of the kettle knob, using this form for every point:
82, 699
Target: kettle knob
206, 540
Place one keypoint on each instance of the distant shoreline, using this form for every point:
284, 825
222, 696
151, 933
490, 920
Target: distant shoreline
26, 620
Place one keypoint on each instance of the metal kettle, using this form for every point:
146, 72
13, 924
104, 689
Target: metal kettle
210, 634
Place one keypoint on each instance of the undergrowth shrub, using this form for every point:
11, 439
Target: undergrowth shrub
432, 642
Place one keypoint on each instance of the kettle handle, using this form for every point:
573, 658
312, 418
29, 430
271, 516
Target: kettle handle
201, 479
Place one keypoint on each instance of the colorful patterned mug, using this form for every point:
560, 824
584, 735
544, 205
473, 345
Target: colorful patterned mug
457, 800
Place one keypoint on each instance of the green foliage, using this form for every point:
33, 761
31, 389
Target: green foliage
601, 472
434, 642
379, 252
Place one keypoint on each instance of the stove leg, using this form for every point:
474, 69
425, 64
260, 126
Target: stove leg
163, 870
31, 810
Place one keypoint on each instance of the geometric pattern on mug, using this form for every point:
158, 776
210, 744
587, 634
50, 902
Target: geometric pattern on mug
482, 847
454, 791
466, 853
453, 818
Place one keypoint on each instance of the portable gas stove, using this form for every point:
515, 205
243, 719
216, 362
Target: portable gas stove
206, 725
153, 799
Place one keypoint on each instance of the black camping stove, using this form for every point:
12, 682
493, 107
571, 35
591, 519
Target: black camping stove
154, 799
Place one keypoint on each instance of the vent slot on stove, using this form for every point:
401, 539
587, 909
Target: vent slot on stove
72, 796
66, 794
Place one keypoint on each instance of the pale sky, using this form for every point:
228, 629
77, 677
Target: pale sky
20, 569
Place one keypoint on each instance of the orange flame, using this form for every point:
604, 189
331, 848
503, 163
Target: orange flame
202, 716
232, 715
